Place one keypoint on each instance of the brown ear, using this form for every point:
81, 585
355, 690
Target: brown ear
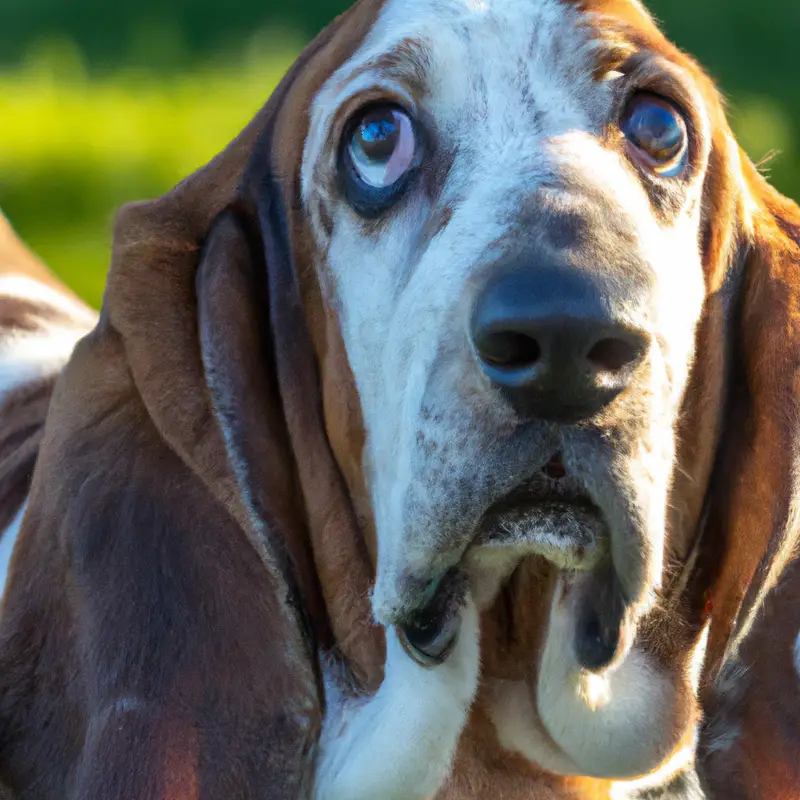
239, 366
751, 536
157, 249
160, 602
165, 580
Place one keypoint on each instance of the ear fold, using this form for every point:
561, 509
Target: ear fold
341, 560
758, 472
177, 662
239, 365
752, 531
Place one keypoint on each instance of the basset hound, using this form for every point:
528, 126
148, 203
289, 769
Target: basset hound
438, 439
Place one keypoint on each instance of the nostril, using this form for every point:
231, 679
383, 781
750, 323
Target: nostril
509, 349
613, 355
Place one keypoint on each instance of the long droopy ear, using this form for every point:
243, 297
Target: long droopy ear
749, 746
263, 400
184, 498
239, 366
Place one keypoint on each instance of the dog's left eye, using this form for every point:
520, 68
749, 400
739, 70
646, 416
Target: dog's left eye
657, 131
379, 153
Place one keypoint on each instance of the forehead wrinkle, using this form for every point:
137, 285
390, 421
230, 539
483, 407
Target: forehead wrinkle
396, 44
520, 78
547, 64
406, 63
468, 49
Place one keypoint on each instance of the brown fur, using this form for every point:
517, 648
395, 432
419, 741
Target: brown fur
752, 535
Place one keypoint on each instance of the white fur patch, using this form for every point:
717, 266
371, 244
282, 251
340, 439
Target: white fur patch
520, 730
489, 69
608, 724
510, 95
399, 744
27, 356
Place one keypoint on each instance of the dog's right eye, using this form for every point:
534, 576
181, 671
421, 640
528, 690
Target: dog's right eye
380, 152
657, 131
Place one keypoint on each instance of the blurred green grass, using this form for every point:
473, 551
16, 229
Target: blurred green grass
80, 146
77, 141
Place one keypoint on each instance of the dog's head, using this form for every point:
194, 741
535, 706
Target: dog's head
502, 260
507, 208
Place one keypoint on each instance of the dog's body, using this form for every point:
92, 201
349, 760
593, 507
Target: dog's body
435, 440
40, 322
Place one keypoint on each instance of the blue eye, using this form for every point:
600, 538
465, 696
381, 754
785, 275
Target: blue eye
382, 146
658, 132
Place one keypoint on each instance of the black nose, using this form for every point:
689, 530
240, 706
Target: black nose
547, 338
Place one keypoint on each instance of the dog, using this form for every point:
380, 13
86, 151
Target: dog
436, 440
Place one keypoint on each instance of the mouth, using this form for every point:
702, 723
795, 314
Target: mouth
550, 515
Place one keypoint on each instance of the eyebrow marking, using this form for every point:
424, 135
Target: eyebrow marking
408, 63
611, 51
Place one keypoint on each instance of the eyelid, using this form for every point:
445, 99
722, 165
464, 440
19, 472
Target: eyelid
352, 122
350, 125
650, 72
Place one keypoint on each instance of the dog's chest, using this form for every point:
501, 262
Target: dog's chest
483, 770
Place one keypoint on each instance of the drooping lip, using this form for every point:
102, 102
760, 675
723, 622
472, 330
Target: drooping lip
556, 520
552, 516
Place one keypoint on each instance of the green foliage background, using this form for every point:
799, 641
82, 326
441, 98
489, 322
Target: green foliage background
103, 101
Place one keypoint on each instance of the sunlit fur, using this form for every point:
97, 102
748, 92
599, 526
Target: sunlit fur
520, 116
415, 719
279, 400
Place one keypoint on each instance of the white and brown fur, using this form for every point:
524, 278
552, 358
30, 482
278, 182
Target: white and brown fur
40, 322
275, 434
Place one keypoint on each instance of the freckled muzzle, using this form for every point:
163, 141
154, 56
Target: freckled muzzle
549, 517
549, 341
545, 393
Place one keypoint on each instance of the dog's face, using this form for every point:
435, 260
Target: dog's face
506, 199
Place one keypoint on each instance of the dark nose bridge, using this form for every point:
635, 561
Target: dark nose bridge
548, 337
